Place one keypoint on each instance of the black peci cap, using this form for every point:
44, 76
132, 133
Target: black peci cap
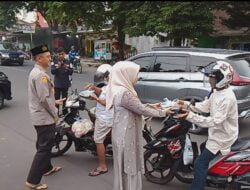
39, 49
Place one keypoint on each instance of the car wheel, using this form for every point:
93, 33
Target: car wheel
21, 63
1, 62
1, 100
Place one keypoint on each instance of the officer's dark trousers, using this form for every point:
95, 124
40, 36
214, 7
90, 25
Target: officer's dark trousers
61, 93
41, 163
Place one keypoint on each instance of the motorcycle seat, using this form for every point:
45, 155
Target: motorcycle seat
241, 144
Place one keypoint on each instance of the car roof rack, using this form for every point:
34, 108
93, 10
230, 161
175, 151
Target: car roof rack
204, 50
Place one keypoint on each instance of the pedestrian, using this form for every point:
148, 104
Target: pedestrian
222, 123
43, 116
62, 69
104, 118
127, 138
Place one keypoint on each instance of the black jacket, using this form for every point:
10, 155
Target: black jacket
61, 78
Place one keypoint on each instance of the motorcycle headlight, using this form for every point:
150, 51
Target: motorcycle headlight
5, 55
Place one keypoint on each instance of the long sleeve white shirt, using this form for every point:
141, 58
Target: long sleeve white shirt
222, 123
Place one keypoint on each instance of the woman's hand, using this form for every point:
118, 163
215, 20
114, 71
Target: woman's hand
168, 111
155, 106
60, 101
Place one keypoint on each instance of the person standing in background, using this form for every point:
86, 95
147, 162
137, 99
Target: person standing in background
62, 69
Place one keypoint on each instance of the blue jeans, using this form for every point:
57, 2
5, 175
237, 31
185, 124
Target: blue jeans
200, 169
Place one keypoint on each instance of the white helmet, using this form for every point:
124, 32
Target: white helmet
104, 68
102, 74
221, 70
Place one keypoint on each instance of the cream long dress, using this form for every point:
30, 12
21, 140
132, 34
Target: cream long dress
127, 139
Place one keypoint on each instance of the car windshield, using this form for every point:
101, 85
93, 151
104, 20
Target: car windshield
6, 46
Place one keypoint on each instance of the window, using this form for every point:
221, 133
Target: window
170, 64
144, 63
247, 47
199, 62
242, 66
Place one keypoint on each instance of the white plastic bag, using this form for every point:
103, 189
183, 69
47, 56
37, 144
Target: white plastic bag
188, 154
82, 127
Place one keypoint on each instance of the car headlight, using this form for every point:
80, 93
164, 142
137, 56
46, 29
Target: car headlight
3, 77
5, 55
21, 55
77, 57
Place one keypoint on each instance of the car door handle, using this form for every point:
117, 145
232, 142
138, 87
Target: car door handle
181, 79
140, 79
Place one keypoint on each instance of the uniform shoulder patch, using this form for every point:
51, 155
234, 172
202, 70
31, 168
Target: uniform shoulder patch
44, 79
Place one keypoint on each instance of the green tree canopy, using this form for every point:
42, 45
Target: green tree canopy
8, 10
179, 20
239, 13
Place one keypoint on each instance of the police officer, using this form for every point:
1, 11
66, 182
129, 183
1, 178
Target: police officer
43, 116
62, 69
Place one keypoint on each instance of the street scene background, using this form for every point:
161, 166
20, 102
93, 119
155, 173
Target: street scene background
17, 143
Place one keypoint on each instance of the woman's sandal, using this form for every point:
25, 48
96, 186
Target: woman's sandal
54, 170
29, 186
97, 172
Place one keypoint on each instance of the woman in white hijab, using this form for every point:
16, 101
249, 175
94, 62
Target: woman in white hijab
127, 125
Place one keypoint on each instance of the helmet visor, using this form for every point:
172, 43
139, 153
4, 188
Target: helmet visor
208, 70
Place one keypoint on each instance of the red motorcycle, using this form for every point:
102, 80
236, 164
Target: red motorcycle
164, 159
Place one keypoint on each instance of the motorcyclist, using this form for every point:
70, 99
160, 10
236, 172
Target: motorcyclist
103, 122
222, 123
72, 54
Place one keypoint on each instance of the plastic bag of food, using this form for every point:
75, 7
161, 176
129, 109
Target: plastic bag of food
82, 127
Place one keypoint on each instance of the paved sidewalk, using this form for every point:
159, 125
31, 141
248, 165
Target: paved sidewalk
90, 62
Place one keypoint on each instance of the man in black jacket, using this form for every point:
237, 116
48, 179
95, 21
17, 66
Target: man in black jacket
62, 69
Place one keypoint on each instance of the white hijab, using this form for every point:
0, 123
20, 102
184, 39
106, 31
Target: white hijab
123, 74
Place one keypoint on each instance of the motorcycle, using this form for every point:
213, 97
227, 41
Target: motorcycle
164, 157
77, 64
65, 137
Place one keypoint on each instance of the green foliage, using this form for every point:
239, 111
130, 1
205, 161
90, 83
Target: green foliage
177, 19
8, 10
239, 12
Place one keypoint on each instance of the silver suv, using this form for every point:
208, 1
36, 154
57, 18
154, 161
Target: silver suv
174, 73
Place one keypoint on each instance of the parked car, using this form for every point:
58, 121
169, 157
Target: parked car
27, 55
174, 73
10, 55
5, 89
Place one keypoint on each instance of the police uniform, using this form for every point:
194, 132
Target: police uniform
43, 111
61, 79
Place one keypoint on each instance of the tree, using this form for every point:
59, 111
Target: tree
179, 20
8, 11
239, 14
118, 13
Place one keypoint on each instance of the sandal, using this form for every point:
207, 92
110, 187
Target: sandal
29, 186
97, 172
54, 170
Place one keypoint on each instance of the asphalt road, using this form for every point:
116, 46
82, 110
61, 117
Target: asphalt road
17, 143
